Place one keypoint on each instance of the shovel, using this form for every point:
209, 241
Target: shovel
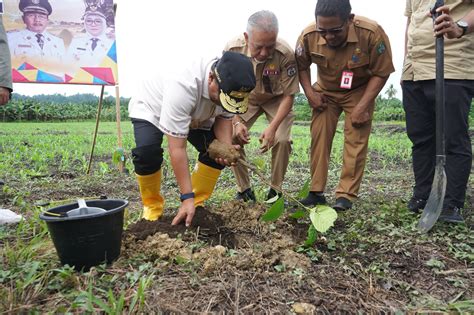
434, 204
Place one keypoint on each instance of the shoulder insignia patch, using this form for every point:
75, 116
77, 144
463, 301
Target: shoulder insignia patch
291, 71
381, 48
299, 50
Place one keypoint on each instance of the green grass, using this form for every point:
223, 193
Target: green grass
47, 162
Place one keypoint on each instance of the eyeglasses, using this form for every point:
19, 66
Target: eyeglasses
94, 21
333, 31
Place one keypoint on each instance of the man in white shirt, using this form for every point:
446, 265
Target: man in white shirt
196, 106
34, 44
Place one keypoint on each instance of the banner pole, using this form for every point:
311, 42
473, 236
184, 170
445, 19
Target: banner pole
99, 109
121, 163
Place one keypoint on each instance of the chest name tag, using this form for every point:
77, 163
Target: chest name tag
346, 80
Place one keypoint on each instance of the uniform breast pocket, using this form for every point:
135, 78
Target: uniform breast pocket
319, 59
359, 65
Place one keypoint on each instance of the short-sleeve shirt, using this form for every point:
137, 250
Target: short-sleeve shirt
420, 61
180, 103
274, 77
366, 53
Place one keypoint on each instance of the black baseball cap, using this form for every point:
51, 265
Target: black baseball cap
236, 79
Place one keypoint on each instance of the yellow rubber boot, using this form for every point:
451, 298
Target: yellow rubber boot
153, 202
203, 179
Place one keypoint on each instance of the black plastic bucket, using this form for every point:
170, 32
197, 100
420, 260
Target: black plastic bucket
86, 241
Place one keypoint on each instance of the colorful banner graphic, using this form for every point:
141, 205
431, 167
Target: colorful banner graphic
62, 41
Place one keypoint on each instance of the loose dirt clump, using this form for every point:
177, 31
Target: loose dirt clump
222, 150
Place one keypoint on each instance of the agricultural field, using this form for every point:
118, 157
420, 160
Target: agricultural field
372, 261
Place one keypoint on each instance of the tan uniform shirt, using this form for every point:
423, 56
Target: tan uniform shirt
276, 76
366, 53
420, 59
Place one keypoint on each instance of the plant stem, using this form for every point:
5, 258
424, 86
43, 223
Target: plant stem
264, 180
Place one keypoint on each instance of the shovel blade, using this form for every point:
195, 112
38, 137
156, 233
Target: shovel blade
434, 205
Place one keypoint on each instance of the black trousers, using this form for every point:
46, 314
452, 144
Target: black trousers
419, 105
148, 154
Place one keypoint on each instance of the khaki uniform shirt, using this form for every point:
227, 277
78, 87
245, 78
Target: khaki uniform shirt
5, 62
420, 61
366, 53
176, 105
274, 77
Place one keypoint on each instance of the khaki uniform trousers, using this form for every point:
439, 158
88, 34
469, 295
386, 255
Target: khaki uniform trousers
323, 129
282, 146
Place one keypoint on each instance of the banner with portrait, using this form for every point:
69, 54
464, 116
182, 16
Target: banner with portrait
62, 41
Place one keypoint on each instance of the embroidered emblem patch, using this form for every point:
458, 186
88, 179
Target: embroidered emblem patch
299, 50
271, 70
291, 71
381, 48
355, 58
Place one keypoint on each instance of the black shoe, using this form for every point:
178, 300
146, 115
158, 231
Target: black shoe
2, 182
314, 199
416, 204
272, 193
246, 195
452, 215
342, 204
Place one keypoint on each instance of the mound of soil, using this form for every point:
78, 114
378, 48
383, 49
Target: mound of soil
206, 226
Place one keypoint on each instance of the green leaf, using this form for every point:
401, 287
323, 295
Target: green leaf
322, 217
259, 163
298, 214
118, 156
305, 190
275, 211
311, 238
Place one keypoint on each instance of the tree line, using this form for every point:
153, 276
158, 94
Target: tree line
79, 107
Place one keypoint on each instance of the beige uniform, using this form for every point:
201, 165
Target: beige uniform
419, 61
365, 54
276, 77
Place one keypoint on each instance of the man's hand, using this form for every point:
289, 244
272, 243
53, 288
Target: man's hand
267, 139
318, 101
225, 162
359, 116
185, 212
445, 25
241, 133
4, 95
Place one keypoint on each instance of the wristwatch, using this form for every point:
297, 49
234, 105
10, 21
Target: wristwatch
464, 26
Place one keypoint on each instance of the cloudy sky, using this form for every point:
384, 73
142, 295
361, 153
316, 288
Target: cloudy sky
157, 37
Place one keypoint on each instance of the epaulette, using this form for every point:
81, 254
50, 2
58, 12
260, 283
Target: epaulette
238, 41
363, 22
309, 29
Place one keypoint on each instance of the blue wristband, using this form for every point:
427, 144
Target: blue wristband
183, 197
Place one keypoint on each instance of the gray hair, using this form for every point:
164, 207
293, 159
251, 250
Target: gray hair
264, 20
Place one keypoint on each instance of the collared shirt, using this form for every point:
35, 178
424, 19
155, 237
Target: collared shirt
274, 77
24, 44
366, 53
178, 104
80, 52
420, 61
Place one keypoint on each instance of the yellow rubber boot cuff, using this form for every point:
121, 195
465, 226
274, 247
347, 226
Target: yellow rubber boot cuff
153, 202
203, 179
